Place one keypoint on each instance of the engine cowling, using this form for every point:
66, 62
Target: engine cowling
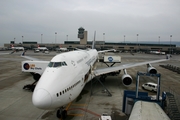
127, 80
36, 76
151, 70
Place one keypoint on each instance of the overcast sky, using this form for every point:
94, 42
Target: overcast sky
116, 18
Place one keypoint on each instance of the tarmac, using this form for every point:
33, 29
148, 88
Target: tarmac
16, 103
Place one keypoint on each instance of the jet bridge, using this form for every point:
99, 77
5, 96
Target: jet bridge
151, 75
130, 97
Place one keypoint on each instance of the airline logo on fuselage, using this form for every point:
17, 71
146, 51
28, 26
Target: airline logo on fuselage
28, 66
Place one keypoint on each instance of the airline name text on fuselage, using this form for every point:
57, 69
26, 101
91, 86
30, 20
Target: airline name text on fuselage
90, 61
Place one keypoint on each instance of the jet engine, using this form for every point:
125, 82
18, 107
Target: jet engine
126, 79
32, 86
36, 76
151, 69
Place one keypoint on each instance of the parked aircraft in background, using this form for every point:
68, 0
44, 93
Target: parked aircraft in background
66, 75
157, 52
62, 49
40, 49
17, 48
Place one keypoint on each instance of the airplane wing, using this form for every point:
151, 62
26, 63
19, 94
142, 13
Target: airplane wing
101, 71
30, 58
106, 50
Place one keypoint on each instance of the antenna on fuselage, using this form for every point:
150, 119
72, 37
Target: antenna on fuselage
93, 43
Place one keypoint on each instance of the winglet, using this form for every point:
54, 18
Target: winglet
93, 43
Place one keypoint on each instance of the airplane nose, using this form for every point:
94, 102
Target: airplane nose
41, 99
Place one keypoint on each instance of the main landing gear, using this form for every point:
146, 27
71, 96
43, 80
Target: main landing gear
61, 113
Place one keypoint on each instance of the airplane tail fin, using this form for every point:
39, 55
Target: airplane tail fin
93, 43
23, 54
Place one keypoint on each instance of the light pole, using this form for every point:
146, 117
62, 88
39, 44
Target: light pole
14, 40
159, 39
22, 39
137, 40
170, 44
103, 36
67, 37
124, 38
55, 36
41, 38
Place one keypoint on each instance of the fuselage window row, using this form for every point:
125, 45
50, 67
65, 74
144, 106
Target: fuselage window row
64, 91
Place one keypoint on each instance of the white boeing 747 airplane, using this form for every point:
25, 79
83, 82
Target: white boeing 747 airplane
66, 75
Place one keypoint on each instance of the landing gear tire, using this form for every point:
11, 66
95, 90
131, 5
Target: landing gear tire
102, 78
64, 114
58, 114
61, 114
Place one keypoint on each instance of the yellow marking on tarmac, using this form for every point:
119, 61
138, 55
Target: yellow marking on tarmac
79, 104
68, 106
74, 105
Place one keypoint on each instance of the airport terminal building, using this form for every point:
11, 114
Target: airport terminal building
101, 45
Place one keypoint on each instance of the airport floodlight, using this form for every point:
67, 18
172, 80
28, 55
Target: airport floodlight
170, 44
55, 36
22, 39
103, 36
41, 38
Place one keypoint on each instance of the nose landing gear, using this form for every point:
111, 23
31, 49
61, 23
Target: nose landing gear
61, 113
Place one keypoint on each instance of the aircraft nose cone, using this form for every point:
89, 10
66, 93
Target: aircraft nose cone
41, 99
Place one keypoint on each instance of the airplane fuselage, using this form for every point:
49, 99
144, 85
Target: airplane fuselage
18, 48
64, 78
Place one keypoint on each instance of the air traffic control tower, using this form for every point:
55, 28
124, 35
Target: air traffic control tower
82, 35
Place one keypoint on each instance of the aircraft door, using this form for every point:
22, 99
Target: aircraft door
87, 75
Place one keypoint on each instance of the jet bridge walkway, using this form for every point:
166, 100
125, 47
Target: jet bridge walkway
130, 97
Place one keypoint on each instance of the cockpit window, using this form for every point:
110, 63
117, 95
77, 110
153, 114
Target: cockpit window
57, 64
50, 64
